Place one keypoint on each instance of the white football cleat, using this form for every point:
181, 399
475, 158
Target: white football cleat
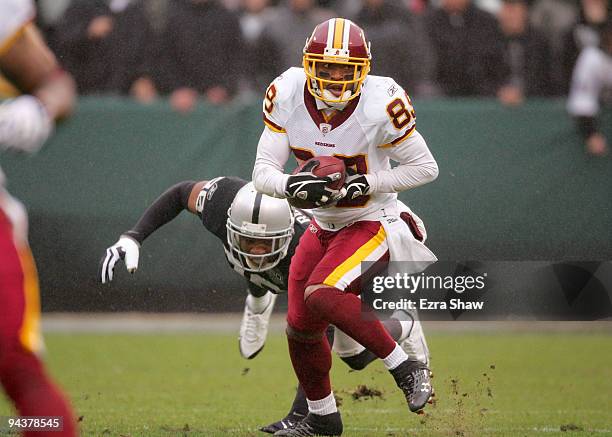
254, 329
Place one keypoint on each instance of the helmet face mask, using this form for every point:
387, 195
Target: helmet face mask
336, 44
321, 82
257, 247
257, 252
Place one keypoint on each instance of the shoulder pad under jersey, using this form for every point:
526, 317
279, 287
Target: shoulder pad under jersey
388, 106
14, 15
282, 96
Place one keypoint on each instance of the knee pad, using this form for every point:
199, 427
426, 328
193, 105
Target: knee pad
301, 336
311, 289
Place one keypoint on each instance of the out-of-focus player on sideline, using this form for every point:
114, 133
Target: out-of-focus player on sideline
591, 77
259, 235
332, 107
25, 124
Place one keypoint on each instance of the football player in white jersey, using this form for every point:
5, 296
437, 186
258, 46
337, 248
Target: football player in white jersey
25, 124
332, 106
231, 209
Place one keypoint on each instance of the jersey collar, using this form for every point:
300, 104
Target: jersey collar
317, 116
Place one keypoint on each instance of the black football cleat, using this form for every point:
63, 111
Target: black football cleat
315, 425
413, 378
289, 422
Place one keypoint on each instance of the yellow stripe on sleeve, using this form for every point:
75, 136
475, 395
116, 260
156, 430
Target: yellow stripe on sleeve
399, 140
273, 126
8, 42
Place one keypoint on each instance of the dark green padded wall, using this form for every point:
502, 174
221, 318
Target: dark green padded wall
514, 184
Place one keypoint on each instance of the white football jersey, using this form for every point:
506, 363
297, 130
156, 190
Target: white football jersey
364, 134
14, 15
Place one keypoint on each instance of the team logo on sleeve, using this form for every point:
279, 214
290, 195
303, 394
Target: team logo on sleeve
200, 201
211, 191
206, 193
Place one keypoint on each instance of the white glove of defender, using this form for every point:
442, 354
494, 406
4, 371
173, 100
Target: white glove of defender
126, 249
25, 124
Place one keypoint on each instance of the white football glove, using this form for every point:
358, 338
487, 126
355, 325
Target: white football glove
126, 249
25, 124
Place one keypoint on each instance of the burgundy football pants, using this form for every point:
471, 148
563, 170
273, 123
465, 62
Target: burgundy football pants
21, 372
334, 260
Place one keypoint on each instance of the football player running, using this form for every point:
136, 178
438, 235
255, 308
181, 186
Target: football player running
259, 235
25, 124
332, 106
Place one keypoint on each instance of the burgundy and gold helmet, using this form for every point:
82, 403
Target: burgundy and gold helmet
336, 41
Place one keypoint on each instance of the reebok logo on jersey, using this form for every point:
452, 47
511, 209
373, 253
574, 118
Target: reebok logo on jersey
321, 144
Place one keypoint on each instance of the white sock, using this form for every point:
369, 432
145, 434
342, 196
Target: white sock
395, 358
324, 406
258, 304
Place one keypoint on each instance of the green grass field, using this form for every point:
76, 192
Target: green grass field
501, 384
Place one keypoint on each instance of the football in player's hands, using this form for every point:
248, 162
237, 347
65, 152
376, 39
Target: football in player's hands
320, 166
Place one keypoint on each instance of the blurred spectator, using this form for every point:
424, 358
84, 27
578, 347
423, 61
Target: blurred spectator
151, 70
204, 43
469, 49
586, 33
293, 22
346, 8
527, 55
91, 47
491, 6
554, 19
417, 7
259, 49
49, 14
592, 75
389, 28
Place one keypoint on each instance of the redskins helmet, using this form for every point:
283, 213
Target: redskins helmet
255, 219
336, 41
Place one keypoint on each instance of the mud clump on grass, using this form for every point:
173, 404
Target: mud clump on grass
365, 392
570, 427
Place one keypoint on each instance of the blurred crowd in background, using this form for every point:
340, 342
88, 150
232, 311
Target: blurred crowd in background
227, 49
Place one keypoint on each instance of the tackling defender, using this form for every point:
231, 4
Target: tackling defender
332, 107
259, 234
25, 124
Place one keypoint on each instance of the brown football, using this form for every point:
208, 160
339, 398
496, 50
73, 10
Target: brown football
327, 165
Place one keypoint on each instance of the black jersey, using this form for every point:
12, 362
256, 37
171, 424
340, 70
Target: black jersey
212, 204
